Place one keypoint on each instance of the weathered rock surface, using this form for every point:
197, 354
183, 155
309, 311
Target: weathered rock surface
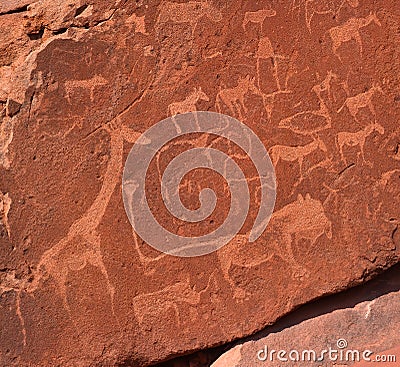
354, 335
79, 82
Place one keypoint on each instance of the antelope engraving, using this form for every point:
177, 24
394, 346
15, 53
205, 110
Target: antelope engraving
152, 305
295, 153
362, 100
350, 30
358, 138
314, 7
189, 103
257, 17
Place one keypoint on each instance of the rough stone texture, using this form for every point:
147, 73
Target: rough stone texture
80, 81
370, 325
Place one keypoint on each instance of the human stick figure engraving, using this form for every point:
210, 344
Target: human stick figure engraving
189, 103
350, 30
358, 138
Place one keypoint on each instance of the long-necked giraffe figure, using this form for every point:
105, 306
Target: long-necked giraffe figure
81, 245
352, 139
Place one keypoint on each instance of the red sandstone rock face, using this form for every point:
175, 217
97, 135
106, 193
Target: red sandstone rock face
80, 82
367, 331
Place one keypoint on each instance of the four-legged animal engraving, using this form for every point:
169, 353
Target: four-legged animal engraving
189, 103
233, 98
295, 153
362, 100
302, 220
315, 7
350, 30
303, 122
81, 246
152, 305
91, 84
353, 139
188, 12
257, 17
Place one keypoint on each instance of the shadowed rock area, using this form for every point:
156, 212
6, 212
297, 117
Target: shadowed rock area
344, 314
80, 81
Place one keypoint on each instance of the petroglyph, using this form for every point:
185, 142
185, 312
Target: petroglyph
355, 103
257, 17
350, 30
305, 122
314, 7
303, 219
189, 103
353, 139
5, 205
296, 153
190, 12
152, 305
82, 245
233, 98
91, 84
266, 51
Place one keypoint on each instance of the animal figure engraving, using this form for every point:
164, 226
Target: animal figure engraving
189, 103
350, 30
305, 122
302, 220
315, 7
188, 12
362, 100
152, 305
358, 138
81, 246
257, 17
295, 153
91, 84
234, 98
